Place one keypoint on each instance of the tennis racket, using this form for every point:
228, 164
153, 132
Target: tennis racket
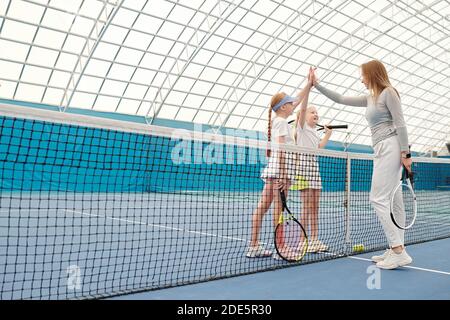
291, 241
403, 204
341, 126
322, 127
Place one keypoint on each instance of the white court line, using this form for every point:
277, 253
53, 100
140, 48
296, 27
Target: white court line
409, 267
157, 226
229, 238
369, 260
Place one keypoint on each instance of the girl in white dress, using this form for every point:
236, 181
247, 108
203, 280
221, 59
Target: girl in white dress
280, 169
307, 136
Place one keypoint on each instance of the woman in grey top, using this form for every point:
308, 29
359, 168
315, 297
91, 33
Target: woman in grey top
390, 143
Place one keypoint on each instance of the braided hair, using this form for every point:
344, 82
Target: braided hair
275, 99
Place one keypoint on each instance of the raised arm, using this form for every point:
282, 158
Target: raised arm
357, 101
303, 98
301, 114
301, 95
360, 101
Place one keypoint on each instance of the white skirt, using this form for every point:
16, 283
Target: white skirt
308, 173
272, 170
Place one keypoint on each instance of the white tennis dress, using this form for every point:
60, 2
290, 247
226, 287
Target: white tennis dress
280, 128
308, 165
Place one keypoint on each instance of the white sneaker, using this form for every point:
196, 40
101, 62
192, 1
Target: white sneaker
321, 246
382, 257
316, 246
258, 252
395, 260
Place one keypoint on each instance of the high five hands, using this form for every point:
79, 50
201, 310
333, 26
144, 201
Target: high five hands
312, 78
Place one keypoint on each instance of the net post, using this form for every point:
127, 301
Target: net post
347, 200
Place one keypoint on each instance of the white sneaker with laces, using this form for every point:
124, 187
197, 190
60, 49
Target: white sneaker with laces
322, 246
382, 257
395, 260
316, 246
258, 252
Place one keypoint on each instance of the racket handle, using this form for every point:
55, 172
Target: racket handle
342, 126
283, 196
409, 175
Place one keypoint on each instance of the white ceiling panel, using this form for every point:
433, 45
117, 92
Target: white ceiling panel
219, 62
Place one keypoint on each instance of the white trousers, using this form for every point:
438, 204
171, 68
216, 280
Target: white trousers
387, 171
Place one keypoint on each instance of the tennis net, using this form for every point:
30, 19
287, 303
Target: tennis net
92, 207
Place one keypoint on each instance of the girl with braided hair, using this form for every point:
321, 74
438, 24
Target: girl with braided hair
280, 167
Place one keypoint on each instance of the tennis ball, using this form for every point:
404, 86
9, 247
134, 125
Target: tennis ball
358, 248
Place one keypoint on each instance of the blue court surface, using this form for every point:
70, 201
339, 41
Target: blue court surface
119, 245
354, 277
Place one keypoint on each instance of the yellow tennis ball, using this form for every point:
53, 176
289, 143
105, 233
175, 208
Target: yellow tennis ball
358, 248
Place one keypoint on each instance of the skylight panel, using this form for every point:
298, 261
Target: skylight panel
24, 11
18, 31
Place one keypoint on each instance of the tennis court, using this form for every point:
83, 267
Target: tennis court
348, 278
147, 148
89, 210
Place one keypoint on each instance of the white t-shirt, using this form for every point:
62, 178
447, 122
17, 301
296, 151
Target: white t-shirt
280, 128
307, 137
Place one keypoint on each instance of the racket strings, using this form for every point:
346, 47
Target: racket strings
291, 240
403, 206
